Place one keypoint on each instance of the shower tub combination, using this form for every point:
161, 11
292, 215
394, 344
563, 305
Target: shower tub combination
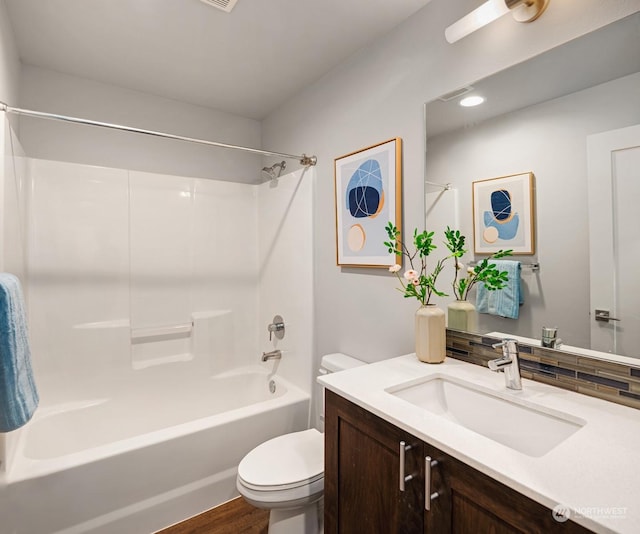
134, 439
164, 447
144, 417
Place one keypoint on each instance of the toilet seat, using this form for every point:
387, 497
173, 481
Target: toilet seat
285, 462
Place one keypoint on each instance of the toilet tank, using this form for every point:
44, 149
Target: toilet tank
333, 363
337, 361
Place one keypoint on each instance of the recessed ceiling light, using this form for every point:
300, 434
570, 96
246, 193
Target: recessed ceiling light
471, 101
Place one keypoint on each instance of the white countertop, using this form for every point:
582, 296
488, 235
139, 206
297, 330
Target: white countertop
595, 472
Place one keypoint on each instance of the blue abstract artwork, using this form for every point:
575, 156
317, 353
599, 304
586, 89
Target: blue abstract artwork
501, 204
365, 194
367, 189
500, 217
503, 214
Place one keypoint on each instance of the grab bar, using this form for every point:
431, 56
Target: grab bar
161, 331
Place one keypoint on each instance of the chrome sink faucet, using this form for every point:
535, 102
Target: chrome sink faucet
508, 363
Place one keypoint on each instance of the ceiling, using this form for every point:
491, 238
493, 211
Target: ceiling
247, 62
597, 57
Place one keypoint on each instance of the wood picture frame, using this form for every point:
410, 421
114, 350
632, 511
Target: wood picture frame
503, 214
368, 194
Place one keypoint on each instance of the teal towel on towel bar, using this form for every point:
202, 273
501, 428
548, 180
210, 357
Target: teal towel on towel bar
18, 393
504, 302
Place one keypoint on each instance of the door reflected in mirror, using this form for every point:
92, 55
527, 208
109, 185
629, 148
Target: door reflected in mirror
569, 116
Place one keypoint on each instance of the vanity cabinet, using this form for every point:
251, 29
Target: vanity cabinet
361, 473
363, 469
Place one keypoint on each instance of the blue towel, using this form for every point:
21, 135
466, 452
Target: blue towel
504, 302
18, 393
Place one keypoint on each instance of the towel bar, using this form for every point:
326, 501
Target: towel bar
535, 266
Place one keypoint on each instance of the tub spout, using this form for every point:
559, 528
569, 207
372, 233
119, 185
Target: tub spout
273, 355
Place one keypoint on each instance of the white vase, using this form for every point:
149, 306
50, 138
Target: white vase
431, 334
462, 316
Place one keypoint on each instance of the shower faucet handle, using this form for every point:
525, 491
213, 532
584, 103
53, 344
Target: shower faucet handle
277, 327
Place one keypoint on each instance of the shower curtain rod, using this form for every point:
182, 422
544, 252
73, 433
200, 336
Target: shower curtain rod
304, 159
446, 187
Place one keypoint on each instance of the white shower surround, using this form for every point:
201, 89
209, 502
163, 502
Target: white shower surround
110, 252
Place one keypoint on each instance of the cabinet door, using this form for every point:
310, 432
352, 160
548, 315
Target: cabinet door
362, 473
470, 502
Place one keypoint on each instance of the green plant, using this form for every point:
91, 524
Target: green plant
416, 281
484, 271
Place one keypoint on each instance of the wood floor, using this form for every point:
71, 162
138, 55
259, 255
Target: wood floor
233, 517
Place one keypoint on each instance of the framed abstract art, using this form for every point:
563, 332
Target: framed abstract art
503, 214
368, 195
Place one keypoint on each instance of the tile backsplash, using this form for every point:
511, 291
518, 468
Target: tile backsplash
610, 381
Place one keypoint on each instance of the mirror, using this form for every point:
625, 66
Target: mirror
540, 116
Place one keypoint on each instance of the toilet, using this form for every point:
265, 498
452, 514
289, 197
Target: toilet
286, 474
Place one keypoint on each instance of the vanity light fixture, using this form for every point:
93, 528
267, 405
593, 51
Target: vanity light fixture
471, 101
521, 10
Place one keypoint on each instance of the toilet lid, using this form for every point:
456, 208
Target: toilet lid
284, 462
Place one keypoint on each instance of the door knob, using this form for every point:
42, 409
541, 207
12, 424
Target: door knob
603, 316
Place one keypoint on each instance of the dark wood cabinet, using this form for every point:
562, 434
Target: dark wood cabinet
363, 468
362, 455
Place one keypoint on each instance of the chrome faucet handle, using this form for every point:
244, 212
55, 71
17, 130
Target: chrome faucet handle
499, 364
277, 327
508, 345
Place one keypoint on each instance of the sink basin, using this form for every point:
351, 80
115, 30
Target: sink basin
512, 422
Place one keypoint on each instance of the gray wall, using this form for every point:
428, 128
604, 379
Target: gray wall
9, 61
379, 94
550, 140
46, 90
9, 79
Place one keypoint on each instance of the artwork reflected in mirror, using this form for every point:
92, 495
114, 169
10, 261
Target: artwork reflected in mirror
556, 118
503, 214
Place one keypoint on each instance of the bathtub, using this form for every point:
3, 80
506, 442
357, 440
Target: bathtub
163, 447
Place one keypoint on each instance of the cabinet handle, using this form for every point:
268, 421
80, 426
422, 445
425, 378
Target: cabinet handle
403, 448
428, 496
